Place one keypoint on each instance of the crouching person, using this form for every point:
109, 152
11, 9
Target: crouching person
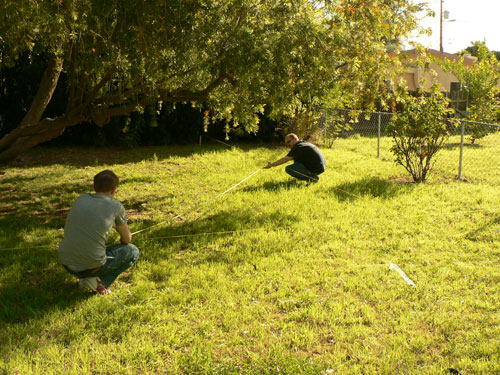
83, 250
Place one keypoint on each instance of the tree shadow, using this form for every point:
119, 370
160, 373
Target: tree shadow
23, 210
47, 204
137, 180
452, 146
95, 156
370, 186
33, 281
275, 186
483, 233
187, 235
44, 286
23, 207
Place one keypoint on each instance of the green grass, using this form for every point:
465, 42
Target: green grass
299, 283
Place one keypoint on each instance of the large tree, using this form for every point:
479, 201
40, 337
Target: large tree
234, 56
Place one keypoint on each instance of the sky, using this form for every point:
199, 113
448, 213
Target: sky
469, 21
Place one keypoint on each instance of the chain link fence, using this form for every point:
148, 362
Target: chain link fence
478, 148
471, 152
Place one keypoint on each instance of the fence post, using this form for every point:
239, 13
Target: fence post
378, 141
462, 132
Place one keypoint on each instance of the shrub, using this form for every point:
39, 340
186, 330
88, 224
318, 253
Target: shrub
419, 130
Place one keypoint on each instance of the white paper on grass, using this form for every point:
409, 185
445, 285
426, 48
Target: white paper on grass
403, 275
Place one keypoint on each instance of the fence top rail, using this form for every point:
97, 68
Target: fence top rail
361, 111
391, 114
480, 123
383, 113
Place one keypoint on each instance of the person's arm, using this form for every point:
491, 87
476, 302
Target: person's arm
124, 232
283, 160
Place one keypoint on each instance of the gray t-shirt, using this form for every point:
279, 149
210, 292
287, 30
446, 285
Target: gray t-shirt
87, 228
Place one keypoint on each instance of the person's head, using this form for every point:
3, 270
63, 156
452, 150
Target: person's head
105, 182
291, 139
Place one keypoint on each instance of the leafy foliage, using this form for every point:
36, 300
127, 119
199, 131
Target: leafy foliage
480, 81
235, 57
419, 130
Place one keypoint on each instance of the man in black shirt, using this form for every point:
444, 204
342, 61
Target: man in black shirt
308, 161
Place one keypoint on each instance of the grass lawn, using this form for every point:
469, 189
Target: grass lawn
296, 281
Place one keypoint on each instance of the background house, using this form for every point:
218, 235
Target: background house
423, 77
432, 72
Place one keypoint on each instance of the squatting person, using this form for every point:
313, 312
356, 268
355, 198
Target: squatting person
83, 250
308, 160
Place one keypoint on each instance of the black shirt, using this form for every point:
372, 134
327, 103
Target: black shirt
309, 155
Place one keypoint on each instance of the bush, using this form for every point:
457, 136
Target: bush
419, 131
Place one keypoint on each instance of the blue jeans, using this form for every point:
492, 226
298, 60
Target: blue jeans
118, 258
299, 171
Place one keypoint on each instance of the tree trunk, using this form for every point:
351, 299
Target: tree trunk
33, 130
29, 131
43, 131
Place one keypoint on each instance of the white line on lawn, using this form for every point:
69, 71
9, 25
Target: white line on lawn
403, 275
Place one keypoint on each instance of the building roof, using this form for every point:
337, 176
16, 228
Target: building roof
468, 59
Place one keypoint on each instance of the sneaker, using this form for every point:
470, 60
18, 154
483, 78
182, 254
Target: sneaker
89, 283
95, 284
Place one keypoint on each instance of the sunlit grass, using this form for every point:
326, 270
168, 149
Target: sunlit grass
271, 278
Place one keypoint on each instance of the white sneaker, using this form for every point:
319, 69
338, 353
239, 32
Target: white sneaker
89, 283
95, 284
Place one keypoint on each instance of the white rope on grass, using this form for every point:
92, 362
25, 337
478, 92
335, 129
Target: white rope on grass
401, 272
161, 237
26, 248
204, 234
194, 208
232, 187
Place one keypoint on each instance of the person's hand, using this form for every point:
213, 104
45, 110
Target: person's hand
269, 165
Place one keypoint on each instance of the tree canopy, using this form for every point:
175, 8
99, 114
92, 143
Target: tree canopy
234, 56
474, 49
480, 81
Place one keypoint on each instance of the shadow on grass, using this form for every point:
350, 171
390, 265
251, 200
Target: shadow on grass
371, 186
24, 209
38, 285
452, 146
486, 232
95, 156
34, 282
187, 235
275, 186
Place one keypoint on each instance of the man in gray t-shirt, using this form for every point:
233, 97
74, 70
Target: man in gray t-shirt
83, 251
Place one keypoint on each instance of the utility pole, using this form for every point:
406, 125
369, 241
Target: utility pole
444, 15
440, 25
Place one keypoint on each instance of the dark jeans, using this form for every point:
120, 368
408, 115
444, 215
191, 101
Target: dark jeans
119, 258
299, 171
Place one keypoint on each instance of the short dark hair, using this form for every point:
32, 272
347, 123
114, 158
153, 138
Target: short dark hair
105, 181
